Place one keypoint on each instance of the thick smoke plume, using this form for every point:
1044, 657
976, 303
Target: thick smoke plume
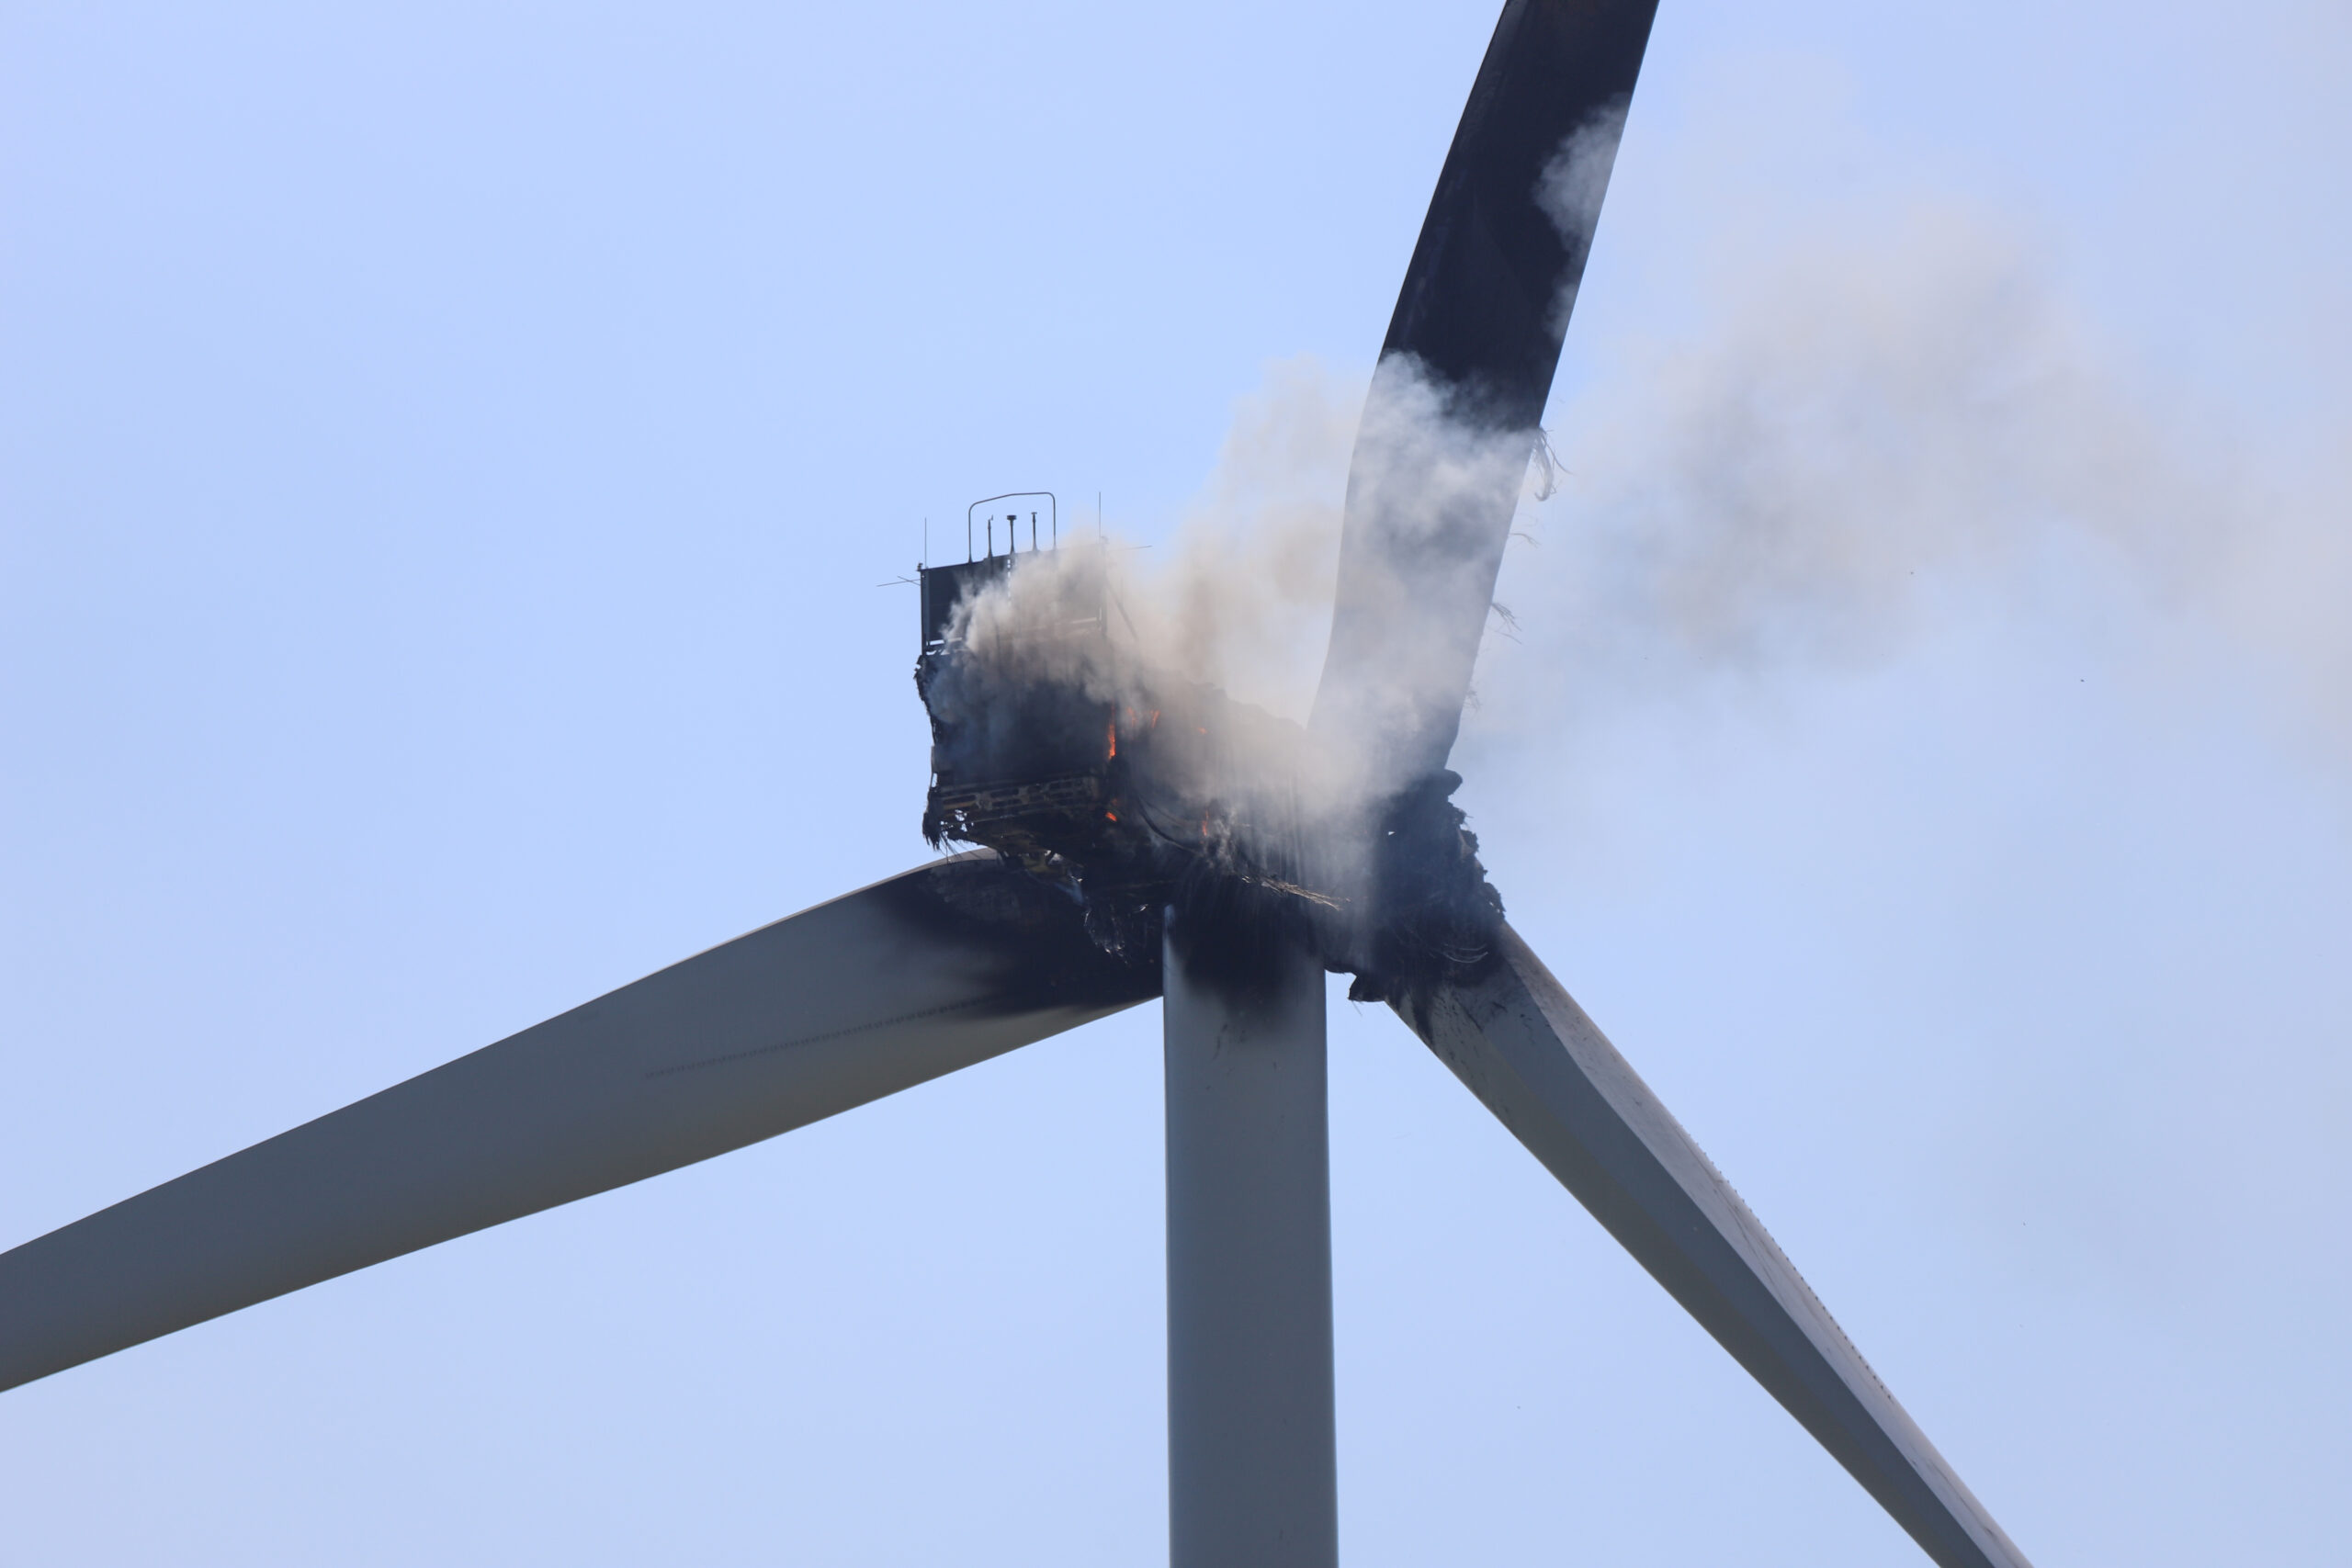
1345, 818
1242, 599
1861, 425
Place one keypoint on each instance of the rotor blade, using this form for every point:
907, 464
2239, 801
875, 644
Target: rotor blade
1486, 298
1522, 1045
875, 992
1464, 372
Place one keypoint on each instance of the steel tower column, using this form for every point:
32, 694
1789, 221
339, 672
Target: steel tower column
1251, 1469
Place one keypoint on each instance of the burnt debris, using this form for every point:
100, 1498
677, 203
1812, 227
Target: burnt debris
1156, 804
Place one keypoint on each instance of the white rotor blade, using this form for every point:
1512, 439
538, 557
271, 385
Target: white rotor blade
875, 992
1520, 1044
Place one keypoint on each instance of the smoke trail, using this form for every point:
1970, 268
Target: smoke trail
1863, 432
1856, 433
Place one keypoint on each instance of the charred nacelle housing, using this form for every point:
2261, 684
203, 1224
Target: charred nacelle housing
1170, 793
1123, 800
1024, 769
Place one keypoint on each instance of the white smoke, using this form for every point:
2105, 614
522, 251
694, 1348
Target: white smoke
1423, 497
1241, 597
1859, 434
1245, 597
1925, 402
1574, 184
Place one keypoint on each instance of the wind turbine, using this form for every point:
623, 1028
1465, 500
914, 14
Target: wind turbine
973, 956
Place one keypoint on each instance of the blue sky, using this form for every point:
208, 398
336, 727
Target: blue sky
445, 456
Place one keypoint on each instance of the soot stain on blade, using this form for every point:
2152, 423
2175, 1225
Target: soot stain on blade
1033, 934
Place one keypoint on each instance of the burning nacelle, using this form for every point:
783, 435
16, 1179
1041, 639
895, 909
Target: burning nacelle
1122, 784
1022, 765
1136, 790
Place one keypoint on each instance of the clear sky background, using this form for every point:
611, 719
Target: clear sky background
447, 453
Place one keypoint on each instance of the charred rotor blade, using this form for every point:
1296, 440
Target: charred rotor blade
1467, 367
875, 992
1522, 1045
1485, 299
